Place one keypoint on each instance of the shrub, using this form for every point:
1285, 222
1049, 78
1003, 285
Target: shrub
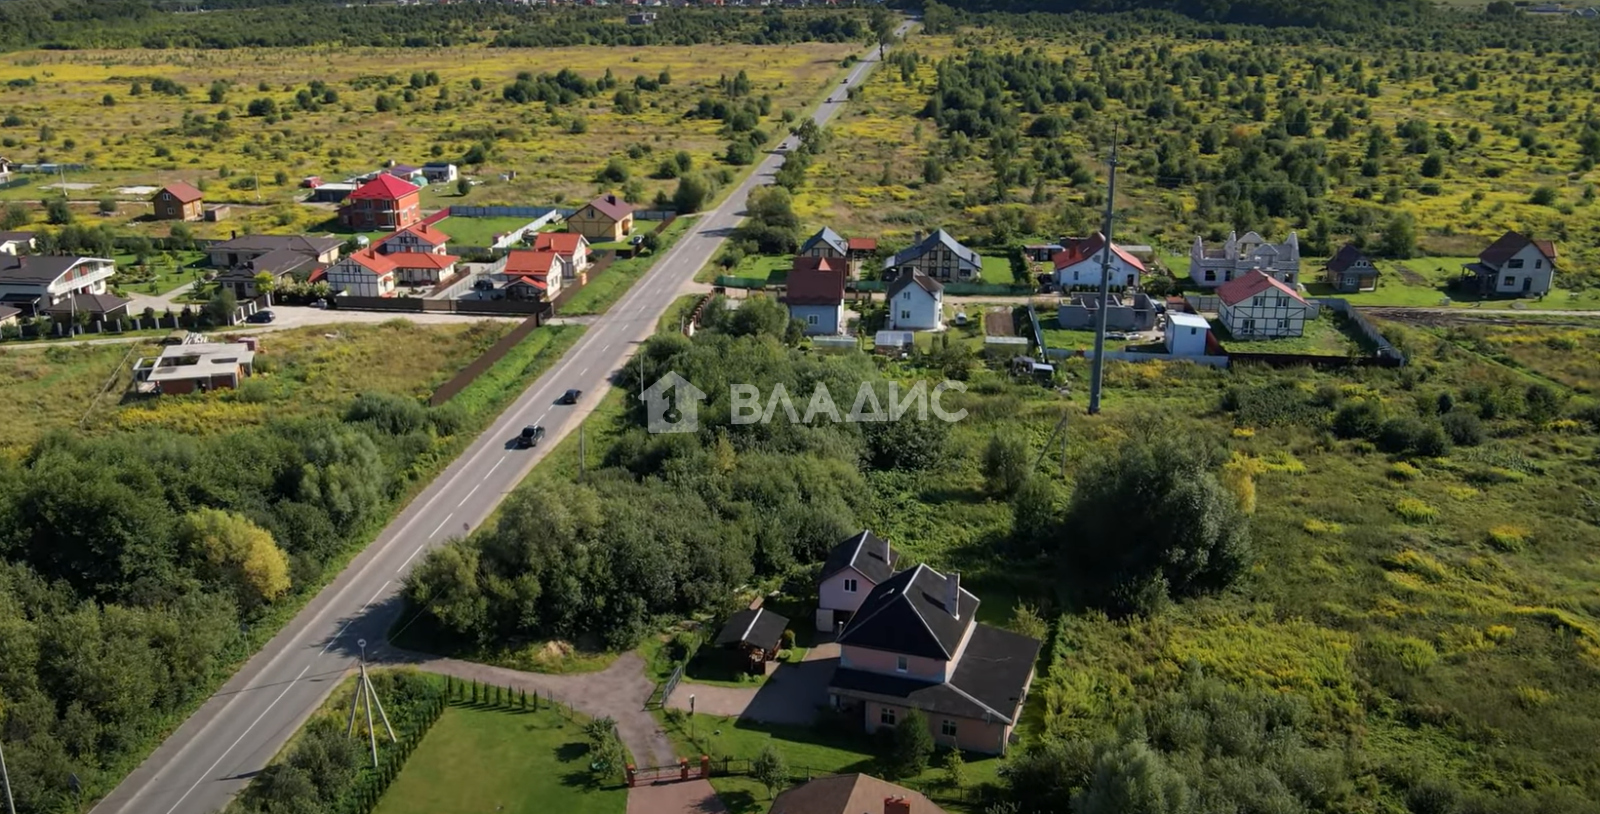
1401, 470
393, 414
1315, 526
1415, 511
910, 747
1508, 538
1530, 697
1358, 418
1463, 428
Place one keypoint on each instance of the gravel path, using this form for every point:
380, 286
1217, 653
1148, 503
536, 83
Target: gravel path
618, 692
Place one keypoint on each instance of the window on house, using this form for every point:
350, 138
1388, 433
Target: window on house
1509, 281
1514, 263
850, 586
886, 716
811, 319
947, 728
900, 664
1211, 275
1538, 264
1247, 326
905, 296
1283, 323
905, 314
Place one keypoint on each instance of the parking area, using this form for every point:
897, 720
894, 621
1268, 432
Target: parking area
791, 694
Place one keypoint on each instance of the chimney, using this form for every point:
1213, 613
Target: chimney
916, 237
952, 594
611, 199
888, 558
896, 805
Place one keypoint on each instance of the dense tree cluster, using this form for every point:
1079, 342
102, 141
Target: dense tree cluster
264, 23
129, 562
675, 522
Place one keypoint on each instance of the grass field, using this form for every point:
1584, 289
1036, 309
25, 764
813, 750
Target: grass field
163, 272
489, 760
478, 231
298, 371
152, 139
1322, 337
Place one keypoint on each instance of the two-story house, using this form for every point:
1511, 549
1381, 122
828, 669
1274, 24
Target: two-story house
571, 246
916, 302
915, 644
531, 274
36, 284
1212, 267
1080, 261
385, 203
815, 294
853, 568
178, 201
418, 237
1349, 270
1513, 265
939, 256
364, 273
831, 245
602, 220
1257, 306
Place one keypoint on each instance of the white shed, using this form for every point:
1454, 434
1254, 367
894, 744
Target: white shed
1186, 334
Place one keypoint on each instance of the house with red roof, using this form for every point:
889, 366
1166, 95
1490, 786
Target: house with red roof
1078, 264
1515, 264
572, 246
530, 274
385, 203
365, 273
815, 294
178, 201
603, 220
418, 237
1257, 305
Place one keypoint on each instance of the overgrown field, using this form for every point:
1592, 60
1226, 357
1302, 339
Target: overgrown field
1002, 132
247, 124
1418, 619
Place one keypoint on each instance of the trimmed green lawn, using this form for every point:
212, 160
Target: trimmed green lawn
478, 231
808, 752
164, 272
640, 227
996, 270
1062, 338
615, 281
1322, 337
485, 760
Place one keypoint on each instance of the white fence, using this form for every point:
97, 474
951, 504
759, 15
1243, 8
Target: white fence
515, 236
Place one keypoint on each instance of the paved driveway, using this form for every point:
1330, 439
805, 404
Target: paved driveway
687, 797
791, 695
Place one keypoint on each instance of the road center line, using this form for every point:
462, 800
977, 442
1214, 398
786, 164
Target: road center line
241, 737
493, 468
410, 558
375, 596
468, 497
440, 526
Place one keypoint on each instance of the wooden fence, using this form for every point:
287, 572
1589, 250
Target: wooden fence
480, 365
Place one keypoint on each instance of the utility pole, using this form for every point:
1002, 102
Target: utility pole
582, 452
1099, 365
11, 806
366, 696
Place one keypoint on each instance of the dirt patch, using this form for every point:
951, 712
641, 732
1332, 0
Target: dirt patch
999, 322
1411, 277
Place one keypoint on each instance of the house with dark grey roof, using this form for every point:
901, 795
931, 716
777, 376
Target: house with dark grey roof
916, 302
757, 633
915, 644
285, 257
1349, 270
1513, 265
825, 243
853, 568
16, 242
939, 256
35, 283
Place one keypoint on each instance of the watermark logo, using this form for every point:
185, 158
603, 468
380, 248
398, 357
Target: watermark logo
749, 405
679, 412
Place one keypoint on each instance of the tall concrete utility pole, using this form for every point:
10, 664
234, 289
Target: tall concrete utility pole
1099, 366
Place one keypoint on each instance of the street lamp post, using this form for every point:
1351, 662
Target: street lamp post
691, 716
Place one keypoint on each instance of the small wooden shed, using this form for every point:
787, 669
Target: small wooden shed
758, 633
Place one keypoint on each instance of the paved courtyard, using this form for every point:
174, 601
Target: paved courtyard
686, 797
791, 694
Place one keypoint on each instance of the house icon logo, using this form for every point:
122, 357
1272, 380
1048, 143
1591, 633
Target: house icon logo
675, 413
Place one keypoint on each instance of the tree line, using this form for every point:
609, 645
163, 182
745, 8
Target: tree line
132, 564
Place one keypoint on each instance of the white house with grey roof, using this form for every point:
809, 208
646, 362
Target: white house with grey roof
1212, 266
939, 256
916, 302
36, 283
853, 568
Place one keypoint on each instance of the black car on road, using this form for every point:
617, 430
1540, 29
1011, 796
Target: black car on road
530, 437
261, 317
569, 397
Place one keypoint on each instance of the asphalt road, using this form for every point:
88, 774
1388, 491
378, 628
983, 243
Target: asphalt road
238, 730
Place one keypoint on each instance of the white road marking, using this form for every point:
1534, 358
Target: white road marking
410, 558
241, 737
440, 526
375, 596
493, 468
468, 497
585, 370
